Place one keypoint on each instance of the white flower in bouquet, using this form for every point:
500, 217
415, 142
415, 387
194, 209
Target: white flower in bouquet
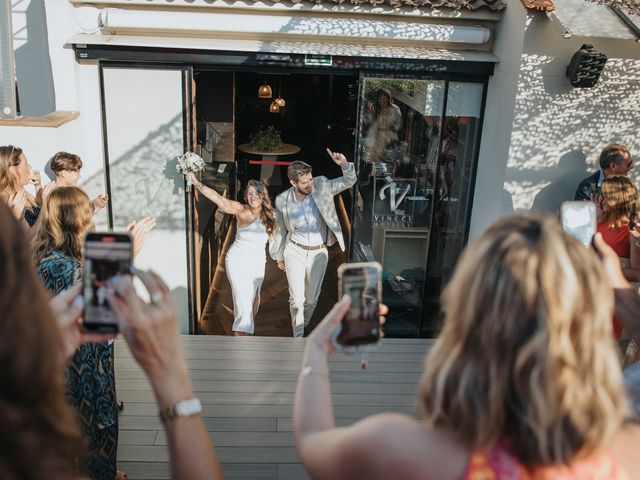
190, 162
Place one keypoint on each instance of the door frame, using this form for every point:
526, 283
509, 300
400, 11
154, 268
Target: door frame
188, 61
187, 145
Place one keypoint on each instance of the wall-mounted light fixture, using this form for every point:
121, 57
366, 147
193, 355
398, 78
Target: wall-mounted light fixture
265, 91
586, 66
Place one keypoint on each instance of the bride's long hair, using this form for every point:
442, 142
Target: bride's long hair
267, 214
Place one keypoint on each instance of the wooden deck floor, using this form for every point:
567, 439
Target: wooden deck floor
246, 385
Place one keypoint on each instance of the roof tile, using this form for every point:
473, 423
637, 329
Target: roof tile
542, 5
628, 6
493, 5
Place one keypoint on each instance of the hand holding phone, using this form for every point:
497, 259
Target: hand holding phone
322, 339
105, 256
67, 307
360, 327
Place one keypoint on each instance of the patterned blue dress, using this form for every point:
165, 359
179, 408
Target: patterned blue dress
90, 380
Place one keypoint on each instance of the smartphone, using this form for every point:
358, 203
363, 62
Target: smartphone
105, 255
633, 216
579, 220
360, 327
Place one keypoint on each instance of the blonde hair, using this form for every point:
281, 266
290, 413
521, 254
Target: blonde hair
526, 355
66, 217
9, 157
618, 194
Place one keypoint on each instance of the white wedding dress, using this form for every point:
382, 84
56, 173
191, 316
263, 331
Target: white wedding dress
245, 263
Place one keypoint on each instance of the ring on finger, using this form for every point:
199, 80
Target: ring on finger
156, 297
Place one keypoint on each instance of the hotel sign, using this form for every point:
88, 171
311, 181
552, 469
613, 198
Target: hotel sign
392, 220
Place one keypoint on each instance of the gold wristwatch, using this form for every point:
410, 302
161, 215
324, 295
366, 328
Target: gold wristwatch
182, 408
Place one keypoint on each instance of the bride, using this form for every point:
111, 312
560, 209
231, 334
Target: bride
245, 260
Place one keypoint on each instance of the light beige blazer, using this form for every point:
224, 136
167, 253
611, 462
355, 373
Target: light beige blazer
323, 192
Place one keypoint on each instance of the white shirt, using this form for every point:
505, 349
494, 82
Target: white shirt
309, 228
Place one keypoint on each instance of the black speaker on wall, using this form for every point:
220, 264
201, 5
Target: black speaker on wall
586, 66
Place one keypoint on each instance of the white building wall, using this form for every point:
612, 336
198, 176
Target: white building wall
558, 131
76, 89
490, 199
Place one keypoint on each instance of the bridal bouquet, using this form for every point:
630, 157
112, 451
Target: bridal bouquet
190, 162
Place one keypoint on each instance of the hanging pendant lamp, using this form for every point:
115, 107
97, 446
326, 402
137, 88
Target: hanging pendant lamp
274, 107
280, 101
265, 91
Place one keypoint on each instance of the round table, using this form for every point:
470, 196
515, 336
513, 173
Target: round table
267, 169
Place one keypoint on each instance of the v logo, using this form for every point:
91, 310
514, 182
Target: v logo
394, 200
143, 187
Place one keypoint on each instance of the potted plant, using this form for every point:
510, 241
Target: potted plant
266, 139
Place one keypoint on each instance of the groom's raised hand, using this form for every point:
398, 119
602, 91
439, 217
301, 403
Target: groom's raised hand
338, 158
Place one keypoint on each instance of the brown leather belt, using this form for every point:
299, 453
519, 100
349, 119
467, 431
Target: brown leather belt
309, 247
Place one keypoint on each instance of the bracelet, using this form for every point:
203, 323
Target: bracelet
309, 370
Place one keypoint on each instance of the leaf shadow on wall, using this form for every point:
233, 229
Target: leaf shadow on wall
145, 182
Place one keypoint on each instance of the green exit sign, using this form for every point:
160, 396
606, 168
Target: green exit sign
318, 60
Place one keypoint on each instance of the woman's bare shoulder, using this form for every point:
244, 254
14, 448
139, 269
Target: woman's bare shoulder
413, 447
625, 447
245, 216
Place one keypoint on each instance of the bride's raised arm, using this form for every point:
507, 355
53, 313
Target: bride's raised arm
224, 204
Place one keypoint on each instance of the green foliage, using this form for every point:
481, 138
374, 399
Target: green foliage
266, 139
407, 86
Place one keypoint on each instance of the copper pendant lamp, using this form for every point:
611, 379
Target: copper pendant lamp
280, 101
265, 91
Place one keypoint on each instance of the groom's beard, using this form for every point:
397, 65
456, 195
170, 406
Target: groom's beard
302, 192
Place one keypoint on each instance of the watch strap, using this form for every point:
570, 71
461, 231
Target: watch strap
182, 408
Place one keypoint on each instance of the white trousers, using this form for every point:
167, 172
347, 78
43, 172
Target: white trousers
305, 272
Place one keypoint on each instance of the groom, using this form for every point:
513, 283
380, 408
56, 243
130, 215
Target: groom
306, 224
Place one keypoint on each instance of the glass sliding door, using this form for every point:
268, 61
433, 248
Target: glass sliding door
416, 147
144, 125
459, 142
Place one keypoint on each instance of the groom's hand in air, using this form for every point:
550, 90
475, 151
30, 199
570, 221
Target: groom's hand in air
338, 158
281, 265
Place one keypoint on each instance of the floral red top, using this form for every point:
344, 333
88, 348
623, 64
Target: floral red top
499, 464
